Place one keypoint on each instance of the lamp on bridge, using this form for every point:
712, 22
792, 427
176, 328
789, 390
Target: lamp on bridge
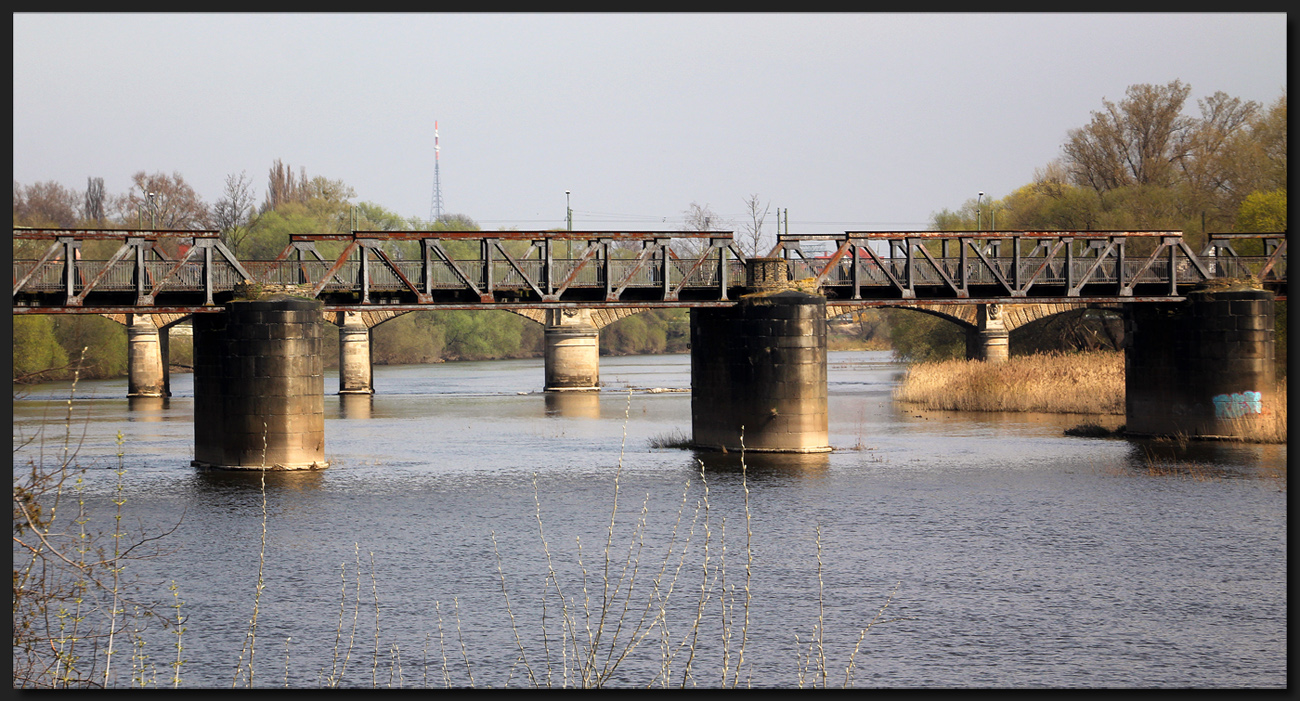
979, 213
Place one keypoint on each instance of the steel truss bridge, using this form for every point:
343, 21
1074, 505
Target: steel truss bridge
187, 271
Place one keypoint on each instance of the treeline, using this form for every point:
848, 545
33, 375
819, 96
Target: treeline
1141, 163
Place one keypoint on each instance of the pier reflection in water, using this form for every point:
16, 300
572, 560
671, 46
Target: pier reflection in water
1021, 556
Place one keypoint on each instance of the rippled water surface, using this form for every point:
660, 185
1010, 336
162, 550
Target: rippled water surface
1015, 556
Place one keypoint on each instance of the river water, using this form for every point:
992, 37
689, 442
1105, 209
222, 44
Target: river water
470, 527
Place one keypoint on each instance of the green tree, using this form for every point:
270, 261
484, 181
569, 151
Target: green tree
103, 340
412, 338
918, 336
36, 350
1263, 212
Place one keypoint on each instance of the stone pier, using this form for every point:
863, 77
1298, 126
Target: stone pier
758, 370
146, 360
355, 366
572, 351
259, 385
1203, 367
987, 341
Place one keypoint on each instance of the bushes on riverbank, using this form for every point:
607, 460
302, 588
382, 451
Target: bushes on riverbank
1073, 383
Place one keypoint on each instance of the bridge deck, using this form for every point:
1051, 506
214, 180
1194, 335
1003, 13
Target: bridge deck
413, 270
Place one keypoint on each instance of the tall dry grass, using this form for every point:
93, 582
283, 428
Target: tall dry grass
1062, 383
1268, 428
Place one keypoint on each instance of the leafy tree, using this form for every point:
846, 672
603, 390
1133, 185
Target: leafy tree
918, 336
413, 338
36, 350
482, 335
1263, 212
103, 340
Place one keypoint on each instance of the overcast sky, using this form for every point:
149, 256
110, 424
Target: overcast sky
849, 121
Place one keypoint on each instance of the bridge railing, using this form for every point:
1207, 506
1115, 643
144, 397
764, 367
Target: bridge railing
594, 267
1025, 263
518, 265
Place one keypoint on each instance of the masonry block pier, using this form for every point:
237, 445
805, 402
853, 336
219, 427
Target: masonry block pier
572, 351
355, 365
758, 372
259, 386
1203, 367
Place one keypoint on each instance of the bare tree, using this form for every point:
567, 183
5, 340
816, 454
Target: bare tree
93, 210
283, 188
163, 201
235, 214
1137, 142
45, 204
700, 219
753, 242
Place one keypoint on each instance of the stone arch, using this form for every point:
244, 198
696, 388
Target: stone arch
962, 315
162, 321
1014, 315
600, 318
370, 317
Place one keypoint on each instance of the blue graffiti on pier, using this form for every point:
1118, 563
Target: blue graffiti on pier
1237, 405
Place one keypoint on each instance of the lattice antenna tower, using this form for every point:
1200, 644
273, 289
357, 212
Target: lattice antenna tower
435, 208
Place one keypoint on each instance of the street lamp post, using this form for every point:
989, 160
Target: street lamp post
568, 225
979, 214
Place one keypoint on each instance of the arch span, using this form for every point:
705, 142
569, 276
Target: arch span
966, 316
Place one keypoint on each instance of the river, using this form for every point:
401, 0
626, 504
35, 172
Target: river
993, 550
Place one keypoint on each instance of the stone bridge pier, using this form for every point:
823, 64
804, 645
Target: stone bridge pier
146, 358
259, 385
355, 366
1201, 368
758, 369
571, 351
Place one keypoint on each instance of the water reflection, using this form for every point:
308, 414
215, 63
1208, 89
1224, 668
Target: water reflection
356, 406
210, 481
147, 408
760, 465
573, 405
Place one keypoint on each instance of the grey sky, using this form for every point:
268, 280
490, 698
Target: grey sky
850, 121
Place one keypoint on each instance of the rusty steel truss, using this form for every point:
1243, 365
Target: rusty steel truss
1008, 266
187, 271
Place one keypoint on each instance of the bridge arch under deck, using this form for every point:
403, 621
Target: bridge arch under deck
987, 326
1013, 316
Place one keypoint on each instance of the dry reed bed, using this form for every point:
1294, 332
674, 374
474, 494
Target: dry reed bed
1075, 383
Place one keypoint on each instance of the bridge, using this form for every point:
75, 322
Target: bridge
1195, 318
404, 271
